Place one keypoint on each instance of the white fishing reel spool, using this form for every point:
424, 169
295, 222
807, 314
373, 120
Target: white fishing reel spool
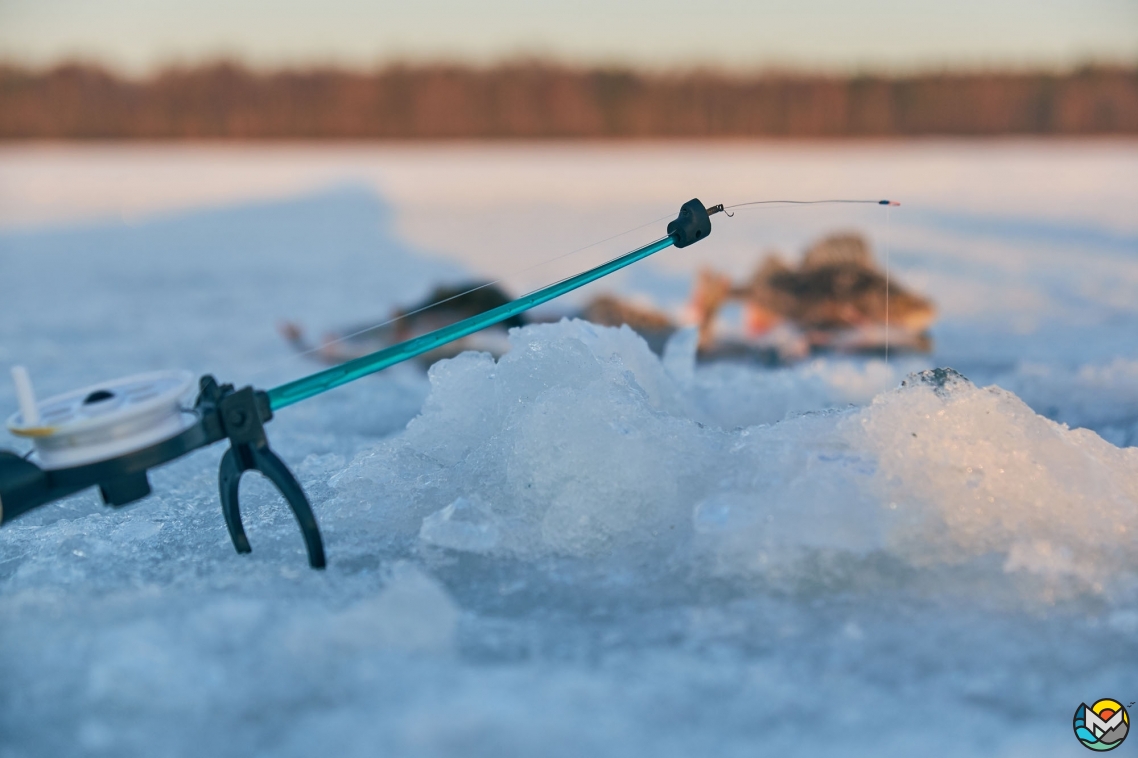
102, 421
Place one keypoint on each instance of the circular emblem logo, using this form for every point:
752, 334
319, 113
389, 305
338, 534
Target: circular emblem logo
1102, 726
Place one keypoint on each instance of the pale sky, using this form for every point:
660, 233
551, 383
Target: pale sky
136, 35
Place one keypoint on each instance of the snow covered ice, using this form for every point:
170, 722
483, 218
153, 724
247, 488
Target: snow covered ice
582, 547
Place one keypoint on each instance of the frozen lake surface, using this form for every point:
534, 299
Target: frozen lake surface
583, 548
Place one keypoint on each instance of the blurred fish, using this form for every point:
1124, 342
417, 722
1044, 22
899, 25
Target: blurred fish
838, 299
445, 305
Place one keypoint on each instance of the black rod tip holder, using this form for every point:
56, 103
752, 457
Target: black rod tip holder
241, 458
692, 225
242, 415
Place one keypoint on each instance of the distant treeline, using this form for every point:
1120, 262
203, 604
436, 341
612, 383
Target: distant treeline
533, 100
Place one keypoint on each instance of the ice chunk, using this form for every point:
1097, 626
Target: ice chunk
467, 524
719, 513
974, 471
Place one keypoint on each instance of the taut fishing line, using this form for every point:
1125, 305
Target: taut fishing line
297, 356
812, 202
888, 251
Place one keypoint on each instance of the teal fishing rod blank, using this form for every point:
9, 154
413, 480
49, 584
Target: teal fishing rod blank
322, 381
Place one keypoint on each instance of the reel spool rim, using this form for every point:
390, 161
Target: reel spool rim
16, 427
88, 439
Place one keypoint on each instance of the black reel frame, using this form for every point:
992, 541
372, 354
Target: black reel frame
222, 413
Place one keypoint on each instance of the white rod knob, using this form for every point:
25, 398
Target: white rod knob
25, 396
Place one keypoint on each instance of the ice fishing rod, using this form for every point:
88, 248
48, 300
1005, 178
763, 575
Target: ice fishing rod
110, 435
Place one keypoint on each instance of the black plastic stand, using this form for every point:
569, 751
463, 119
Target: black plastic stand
249, 451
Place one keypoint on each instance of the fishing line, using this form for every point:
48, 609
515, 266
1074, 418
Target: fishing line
324, 345
888, 250
811, 202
